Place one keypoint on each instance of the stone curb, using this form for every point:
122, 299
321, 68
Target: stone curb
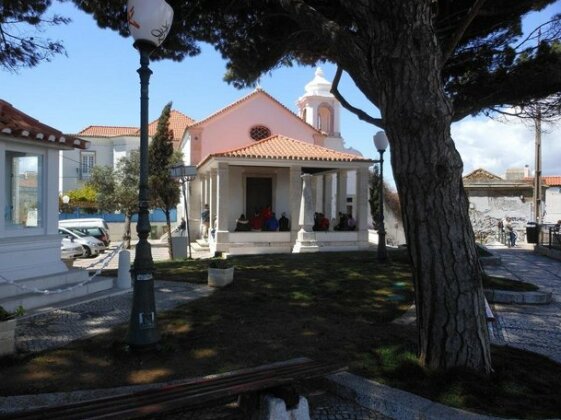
527, 298
491, 261
391, 402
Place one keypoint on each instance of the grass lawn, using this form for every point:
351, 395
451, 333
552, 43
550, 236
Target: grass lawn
328, 306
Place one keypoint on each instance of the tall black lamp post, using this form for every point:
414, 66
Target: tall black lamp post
184, 174
149, 23
381, 143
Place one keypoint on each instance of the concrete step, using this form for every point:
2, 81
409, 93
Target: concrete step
54, 281
200, 244
30, 300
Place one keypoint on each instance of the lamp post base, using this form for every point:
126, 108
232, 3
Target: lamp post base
382, 252
143, 327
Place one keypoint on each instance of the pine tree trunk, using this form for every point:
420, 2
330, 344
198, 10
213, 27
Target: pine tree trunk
405, 82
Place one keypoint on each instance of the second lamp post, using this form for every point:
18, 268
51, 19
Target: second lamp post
381, 143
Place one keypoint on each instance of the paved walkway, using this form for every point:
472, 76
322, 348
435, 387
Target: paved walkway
531, 327
535, 328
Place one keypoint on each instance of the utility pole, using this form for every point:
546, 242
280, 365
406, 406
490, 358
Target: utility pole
538, 166
538, 161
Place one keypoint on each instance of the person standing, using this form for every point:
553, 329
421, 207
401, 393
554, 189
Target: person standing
511, 235
205, 221
182, 226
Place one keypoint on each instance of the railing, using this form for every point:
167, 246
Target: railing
550, 236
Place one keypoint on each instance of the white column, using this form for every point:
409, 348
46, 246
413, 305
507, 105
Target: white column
362, 198
295, 192
222, 197
306, 240
362, 206
328, 196
212, 197
342, 191
306, 216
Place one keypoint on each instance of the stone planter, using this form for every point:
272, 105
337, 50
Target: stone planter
7, 337
220, 277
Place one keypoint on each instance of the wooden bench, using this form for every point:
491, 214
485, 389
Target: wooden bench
189, 394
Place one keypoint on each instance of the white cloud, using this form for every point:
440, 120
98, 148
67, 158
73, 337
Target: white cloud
497, 146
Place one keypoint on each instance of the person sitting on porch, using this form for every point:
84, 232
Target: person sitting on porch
343, 225
284, 224
255, 221
272, 224
323, 222
351, 222
316, 221
242, 224
266, 214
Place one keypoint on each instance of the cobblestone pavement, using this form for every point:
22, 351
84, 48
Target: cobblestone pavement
535, 328
68, 323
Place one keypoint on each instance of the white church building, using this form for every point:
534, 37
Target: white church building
254, 153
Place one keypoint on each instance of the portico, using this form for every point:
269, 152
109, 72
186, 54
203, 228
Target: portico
273, 173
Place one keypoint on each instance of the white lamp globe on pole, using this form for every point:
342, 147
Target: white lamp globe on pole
381, 144
381, 141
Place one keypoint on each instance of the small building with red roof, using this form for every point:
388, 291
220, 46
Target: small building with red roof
108, 145
30, 245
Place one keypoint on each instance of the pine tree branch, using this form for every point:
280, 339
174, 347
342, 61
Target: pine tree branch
457, 35
358, 112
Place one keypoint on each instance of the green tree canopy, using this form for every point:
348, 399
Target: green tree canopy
164, 190
21, 22
117, 189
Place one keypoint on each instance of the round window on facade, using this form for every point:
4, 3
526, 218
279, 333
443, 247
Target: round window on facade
259, 132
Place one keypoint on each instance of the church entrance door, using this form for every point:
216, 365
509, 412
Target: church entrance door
259, 194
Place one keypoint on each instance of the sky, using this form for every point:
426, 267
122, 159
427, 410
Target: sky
97, 84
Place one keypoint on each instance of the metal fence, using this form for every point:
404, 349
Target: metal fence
550, 236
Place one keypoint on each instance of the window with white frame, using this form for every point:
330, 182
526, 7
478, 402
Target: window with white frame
24, 189
87, 162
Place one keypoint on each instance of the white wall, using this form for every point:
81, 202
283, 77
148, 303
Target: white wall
552, 205
231, 129
485, 213
32, 251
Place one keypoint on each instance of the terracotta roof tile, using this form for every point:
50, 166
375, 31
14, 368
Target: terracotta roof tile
178, 123
107, 131
14, 123
286, 148
552, 180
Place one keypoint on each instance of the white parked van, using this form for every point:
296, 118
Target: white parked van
98, 228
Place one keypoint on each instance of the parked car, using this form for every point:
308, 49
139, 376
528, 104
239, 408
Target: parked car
97, 228
96, 232
92, 246
69, 249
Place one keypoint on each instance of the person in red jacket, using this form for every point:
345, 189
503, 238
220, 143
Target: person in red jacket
256, 222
